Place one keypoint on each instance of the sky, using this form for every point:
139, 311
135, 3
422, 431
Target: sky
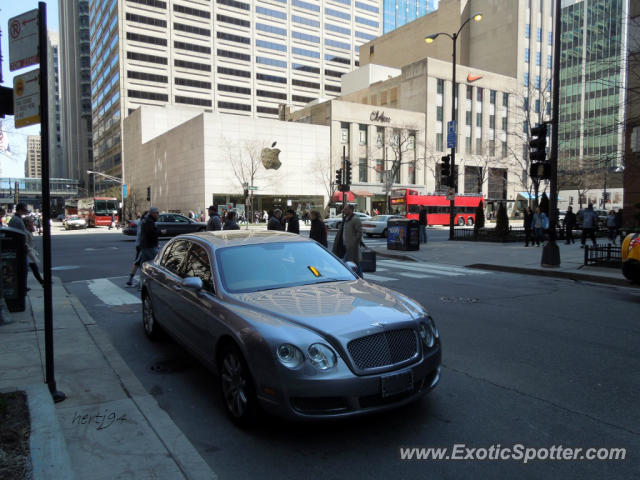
12, 161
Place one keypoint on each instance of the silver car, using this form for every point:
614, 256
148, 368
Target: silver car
377, 225
335, 222
288, 327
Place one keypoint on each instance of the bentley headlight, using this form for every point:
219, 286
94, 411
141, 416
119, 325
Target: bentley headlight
426, 335
289, 355
432, 326
321, 356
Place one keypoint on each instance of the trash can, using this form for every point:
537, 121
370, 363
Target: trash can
13, 263
403, 234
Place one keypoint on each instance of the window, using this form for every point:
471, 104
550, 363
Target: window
204, 102
504, 123
235, 55
271, 29
504, 149
549, 61
526, 55
273, 46
492, 97
151, 3
233, 20
537, 106
233, 38
191, 47
539, 34
333, 88
233, 3
155, 22
136, 37
537, 81
550, 38
527, 30
478, 119
305, 84
174, 256
269, 94
467, 144
380, 137
305, 37
526, 79
160, 97
234, 89
469, 92
205, 32
439, 142
333, 73
143, 57
191, 11
366, 36
366, 21
150, 77
193, 65
270, 78
439, 113
308, 6
272, 111
334, 43
440, 86
234, 106
332, 58
479, 94
362, 170
305, 52
187, 82
302, 99
505, 99
468, 118
305, 68
538, 58
344, 132
234, 72
198, 265
271, 13
379, 170
337, 13
306, 21
492, 121
364, 6
478, 146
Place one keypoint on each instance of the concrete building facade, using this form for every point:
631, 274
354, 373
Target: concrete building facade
75, 91
191, 159
489, 144
33, 164
57, 166
231, 56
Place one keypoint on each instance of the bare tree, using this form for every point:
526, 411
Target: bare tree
323, 172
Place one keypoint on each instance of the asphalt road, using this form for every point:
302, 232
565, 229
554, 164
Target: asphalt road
527, 360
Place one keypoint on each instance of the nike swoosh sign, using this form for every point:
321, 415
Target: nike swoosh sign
473, 78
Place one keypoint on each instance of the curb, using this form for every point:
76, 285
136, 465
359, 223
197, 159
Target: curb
178, 446
580, 277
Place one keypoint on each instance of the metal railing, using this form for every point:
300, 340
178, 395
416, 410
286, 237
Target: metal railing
603, 255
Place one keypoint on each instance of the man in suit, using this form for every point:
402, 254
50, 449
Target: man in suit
351, 235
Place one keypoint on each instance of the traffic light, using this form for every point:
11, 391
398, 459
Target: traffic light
6, 101
446, 166
148, 194
339, 176
541, 170
538, 143
348, 173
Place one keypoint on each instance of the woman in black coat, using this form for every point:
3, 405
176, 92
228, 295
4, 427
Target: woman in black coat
318, 229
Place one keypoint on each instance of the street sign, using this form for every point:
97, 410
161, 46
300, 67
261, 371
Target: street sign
26, 98
451, 134
251, 187
124, 190
23, 40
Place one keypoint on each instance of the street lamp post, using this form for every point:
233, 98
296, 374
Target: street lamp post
113, 179
453, 177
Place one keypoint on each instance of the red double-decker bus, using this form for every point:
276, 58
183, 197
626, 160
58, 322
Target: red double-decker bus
98, 211
407, 202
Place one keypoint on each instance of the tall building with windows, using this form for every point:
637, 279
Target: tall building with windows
75, 90
230, 56
398, 12
57, 166
33, 165
593, 80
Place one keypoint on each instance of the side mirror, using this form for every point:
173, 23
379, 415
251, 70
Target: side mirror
192, 283
354, 268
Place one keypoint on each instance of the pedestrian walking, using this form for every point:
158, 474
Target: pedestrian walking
569, 225
589, 225
422, 224
293, 223
17, 220
230, 222
214, 224
611, 227
136, 260
318, 229
349, 238
32, 253
305, 217
149, 235
540, 223
274, 222
527, 220
619, 225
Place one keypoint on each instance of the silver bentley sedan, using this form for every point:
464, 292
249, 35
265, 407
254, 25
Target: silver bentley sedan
288, 327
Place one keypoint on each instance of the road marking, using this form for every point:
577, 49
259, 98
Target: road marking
378, 278
436, 269
65, 267
415, 275
111, 294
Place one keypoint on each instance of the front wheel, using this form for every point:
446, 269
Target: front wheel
461, 221
236, 385
470, 222
151, 327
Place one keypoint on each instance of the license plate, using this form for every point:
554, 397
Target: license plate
397, 383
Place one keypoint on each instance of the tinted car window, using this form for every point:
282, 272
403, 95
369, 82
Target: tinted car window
174, 257
252, 268
198, 265
180, 219
166, 218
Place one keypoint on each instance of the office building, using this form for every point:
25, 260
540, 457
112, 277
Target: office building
75, 91
57, 169
399, 12
33, 164
631, 177
231, 56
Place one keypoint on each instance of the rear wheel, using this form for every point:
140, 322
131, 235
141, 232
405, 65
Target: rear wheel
461, 221
470, 221
236, 385
151, 327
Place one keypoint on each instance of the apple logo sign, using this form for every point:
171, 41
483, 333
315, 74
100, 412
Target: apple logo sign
269, 157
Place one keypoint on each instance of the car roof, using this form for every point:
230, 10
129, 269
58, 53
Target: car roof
233, 238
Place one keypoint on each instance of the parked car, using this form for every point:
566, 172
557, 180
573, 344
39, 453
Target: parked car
377, 225
173, 223
333, 223
74, 222
234, 299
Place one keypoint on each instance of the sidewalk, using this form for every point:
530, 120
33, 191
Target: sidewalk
511, 257
108, 426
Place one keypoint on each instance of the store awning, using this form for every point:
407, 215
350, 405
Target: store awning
362, 193
337, 197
